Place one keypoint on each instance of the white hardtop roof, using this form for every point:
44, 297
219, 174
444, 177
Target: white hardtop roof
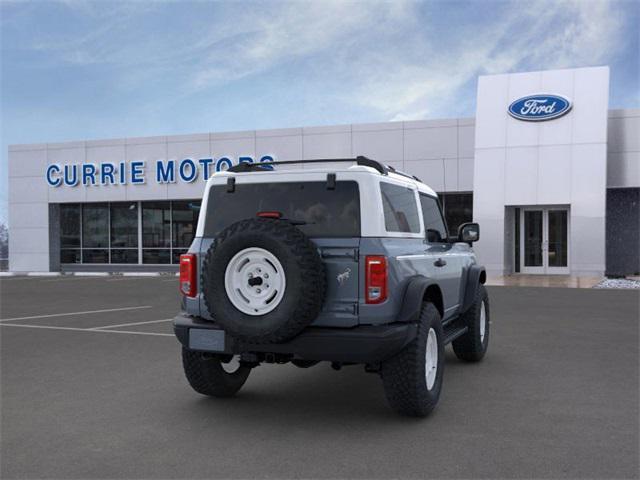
308, 174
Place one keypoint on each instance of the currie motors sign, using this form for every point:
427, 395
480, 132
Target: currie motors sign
135, 172
540, 107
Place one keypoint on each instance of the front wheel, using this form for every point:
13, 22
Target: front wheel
412, 379
209, 375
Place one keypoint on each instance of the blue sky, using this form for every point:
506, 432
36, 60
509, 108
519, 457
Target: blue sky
74, 70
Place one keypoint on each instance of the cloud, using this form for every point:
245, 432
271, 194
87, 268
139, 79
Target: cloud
293, 31
401, 60
532, 36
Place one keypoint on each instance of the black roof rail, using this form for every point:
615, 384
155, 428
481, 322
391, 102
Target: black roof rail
403, 174
265, 166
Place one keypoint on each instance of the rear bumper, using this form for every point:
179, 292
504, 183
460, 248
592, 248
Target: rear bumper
362, 344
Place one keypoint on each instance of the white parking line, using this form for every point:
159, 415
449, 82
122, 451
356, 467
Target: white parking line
69, 278
131, 324
125, 279
48, 327
74, 313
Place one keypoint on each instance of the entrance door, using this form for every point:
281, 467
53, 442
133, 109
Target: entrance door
544, 240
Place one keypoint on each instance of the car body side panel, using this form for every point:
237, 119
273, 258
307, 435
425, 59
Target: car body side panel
399, 274
340, 258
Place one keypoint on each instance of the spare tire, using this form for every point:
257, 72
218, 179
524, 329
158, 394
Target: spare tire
263, 280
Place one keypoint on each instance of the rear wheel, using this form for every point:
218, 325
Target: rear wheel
413, 378
210, 375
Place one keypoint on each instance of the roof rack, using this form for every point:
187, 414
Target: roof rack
402, 174
360, 160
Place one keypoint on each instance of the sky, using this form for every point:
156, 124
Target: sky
76, 70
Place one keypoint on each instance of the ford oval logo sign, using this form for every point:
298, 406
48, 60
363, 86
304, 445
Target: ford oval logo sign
536, 108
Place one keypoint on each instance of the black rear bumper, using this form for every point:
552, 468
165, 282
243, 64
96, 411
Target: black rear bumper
362, 344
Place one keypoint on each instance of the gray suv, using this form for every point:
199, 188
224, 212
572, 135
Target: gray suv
349, 263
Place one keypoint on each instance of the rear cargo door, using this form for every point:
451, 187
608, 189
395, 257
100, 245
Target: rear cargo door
340, 258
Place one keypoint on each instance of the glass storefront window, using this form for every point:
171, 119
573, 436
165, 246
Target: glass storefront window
175, 254
95, 225
156, 255
127, 255
108, 232
68, 255
69, 226
156, 224
184, 216
458, 209
90, 255
124, 225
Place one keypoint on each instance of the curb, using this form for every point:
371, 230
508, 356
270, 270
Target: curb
89, 274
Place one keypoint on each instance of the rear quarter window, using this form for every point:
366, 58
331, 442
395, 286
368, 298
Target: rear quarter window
321, 212
400, 208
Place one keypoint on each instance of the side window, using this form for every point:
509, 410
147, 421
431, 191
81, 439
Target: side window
433, 222
400, 209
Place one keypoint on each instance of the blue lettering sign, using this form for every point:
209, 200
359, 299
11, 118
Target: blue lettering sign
51, 180
166, 174
88, 174
267, 159
223, 164
121, 173
192, 170
137, 172
206, 163
106, 173
71, 175
122, 170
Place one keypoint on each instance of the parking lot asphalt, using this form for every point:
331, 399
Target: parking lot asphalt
101, 394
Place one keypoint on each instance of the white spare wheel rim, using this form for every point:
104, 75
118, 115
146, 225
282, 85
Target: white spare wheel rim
255, 281
431, 359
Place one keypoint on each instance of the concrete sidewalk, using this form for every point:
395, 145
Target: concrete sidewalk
556, 281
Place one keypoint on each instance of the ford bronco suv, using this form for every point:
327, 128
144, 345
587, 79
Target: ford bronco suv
350, 263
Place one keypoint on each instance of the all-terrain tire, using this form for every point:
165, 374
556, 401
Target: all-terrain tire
473, 345
207, 376
303, 268
404, 375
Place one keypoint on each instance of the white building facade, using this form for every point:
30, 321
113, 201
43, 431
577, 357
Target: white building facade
550, 173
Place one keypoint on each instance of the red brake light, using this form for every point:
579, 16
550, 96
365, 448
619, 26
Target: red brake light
188, 279
375, 279
269, 214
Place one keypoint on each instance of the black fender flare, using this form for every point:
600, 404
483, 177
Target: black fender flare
476, 275
413, 298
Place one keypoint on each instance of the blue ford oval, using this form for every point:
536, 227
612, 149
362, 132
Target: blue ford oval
536, 108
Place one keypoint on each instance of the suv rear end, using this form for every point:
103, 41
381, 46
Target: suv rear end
329, 212
305, 266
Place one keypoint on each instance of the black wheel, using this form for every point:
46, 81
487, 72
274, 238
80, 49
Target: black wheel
263, 280
472, 346
412, 379
209, 375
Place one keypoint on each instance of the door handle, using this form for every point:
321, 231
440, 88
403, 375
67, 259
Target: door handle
440, 263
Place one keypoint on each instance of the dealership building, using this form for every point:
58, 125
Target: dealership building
548, 170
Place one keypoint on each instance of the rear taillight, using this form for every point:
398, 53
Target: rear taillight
375, 279
188, 278
269, 214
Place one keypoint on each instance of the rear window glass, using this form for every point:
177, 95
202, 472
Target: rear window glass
321, 212
400, 209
